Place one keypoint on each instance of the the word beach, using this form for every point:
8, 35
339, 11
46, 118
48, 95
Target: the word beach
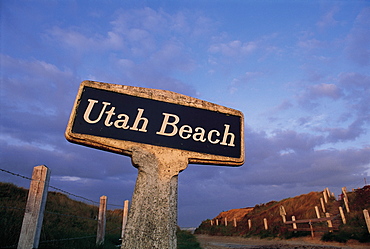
162, 132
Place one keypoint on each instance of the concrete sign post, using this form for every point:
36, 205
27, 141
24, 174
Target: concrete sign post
162, 132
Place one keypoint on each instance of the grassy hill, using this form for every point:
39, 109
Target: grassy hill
67, 223
303, 208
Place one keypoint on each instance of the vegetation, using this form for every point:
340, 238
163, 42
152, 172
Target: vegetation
186, 240
302, 207
356, 227
67, 223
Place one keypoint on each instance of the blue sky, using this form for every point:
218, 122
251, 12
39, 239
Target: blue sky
298, 70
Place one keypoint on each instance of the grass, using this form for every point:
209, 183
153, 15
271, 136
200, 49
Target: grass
64, 218
186, 240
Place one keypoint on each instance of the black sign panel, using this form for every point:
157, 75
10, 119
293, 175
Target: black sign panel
125, 117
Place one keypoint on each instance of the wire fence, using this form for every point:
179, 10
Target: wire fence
115, 219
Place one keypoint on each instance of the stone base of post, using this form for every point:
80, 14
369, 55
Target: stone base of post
152, 220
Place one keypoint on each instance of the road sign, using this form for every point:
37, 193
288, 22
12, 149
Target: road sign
117, 118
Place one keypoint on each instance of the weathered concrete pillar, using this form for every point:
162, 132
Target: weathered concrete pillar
152, 220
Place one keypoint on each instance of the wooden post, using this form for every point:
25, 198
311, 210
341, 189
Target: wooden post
325, 196
284, 218
234, 222
211, 222
294, 224
342, 215
345, 198
124, 217
330, 224
311, 228
249, 224
225, 222
344, 191
322, 205
317, 212
346, 203
216, 222
282, 213
34, 214
265, 223
367, 219
101, 221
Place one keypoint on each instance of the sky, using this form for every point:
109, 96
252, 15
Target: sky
298, 70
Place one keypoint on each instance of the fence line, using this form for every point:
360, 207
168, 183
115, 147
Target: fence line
56, 213
58, 189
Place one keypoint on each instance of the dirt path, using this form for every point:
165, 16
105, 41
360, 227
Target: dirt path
221, 242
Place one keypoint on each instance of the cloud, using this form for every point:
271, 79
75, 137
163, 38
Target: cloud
328, 20
310, 44
136, 52
285, 105
244, 79
358, 47
318, 91
350, 133
234, 48
356, 87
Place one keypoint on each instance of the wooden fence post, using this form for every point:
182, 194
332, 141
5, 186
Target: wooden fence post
265, 223
322, 205
311, 228
101, 221
346, 203
342, 215
124, 217
249, 224
367, 219
325, 196
330, 224
34, 214
225, 222
294, 224
234, 222
216, 222
282, 213
211, 222
317, 212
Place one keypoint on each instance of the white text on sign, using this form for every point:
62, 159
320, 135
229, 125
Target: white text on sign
170, 122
